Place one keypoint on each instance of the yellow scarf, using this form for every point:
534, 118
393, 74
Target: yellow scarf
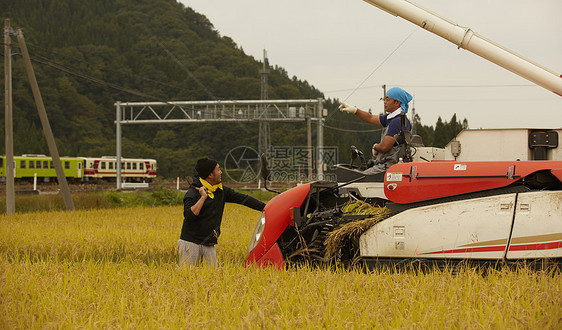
210, 189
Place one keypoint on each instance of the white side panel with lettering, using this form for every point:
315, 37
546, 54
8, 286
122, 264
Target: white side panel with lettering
475, 228
537, 232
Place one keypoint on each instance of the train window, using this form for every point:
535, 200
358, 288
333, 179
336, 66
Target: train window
45, 164
128, 165
51, 165
141, 166
66, 165
37, 164
31, 164
103, 165
134, 166
111, 165
22, 164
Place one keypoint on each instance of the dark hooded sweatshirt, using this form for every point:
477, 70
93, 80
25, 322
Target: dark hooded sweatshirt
204, 229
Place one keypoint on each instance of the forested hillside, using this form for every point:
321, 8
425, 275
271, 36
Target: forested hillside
89, 54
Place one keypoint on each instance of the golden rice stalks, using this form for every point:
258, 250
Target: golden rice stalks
354, 228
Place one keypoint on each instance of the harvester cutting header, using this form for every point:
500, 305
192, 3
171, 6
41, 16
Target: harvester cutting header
460, 204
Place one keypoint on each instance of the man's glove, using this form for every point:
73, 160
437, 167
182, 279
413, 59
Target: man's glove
375, 152
347, 108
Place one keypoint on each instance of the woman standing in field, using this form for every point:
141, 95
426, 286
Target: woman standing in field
203, 206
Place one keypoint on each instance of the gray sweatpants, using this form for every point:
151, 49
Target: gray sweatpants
378, 168
195, 254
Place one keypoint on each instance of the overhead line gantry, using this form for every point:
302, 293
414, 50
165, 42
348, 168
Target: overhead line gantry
176, 112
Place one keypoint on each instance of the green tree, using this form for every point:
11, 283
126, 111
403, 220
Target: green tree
446, 131
89, 54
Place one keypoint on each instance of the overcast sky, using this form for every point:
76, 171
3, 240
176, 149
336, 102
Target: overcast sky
340, 47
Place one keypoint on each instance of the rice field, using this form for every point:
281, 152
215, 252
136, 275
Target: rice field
117, 268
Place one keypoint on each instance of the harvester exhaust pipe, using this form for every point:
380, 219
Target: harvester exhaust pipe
466, 38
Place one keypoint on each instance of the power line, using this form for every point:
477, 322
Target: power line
375, 70
352, 130
437, 86
384, 61
72, 71
354, 122
485, 100
64, 57
63, 68
175, 59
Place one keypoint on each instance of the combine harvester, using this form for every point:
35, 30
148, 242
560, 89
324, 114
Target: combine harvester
446, 207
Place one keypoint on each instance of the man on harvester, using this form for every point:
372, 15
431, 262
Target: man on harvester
395, 123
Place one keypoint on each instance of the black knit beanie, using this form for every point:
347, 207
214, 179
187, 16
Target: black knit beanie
205, 166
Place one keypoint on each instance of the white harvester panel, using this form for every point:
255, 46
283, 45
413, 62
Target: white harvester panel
497, 144
476, 228
537, 231
492, 144
367, 189
424, 154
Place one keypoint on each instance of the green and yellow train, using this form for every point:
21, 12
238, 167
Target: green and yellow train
81, 168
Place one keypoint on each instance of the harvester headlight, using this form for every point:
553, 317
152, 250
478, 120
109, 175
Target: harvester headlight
257, 232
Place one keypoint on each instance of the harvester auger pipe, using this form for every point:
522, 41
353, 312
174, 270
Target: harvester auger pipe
466, 38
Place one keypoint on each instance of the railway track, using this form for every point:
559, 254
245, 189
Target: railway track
51, 187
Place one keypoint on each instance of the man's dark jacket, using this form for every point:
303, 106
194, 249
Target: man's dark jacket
204, 228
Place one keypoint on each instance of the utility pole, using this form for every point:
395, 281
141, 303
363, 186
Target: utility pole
414, 120
63, 184
320, 137
263, 138
383, 96
9, 130
309, 144
118, 146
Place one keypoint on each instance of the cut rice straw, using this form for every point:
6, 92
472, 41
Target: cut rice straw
353, 229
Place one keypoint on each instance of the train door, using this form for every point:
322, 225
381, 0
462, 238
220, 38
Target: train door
79, 175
